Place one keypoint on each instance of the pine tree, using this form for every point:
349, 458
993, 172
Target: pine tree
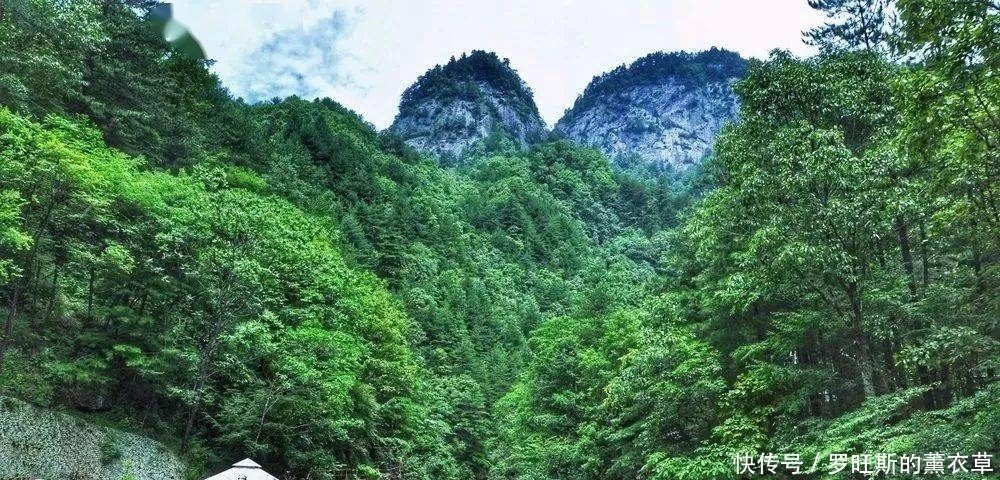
853, 25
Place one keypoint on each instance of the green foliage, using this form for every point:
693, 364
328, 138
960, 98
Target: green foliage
283, 282
840, 275
109, 449
185, 295
607, 396
222, 316
853, 25
101, 60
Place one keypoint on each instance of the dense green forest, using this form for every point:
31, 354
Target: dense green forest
282, 281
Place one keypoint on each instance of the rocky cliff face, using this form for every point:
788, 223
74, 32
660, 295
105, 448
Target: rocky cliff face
665, 108
451, 107
37, 443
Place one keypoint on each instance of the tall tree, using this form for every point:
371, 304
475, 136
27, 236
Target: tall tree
853, 25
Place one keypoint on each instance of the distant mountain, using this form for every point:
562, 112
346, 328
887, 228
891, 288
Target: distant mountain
665, 108
453, 106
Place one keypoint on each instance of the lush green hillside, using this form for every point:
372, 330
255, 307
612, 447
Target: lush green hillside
283, 282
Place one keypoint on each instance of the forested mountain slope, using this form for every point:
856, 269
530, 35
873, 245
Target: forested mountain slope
212, 259
281, 281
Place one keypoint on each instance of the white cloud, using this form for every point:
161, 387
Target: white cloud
303, 61
365, 53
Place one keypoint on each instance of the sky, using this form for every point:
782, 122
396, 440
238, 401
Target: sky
364, 53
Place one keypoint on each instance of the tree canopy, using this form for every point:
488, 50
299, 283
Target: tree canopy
282, 281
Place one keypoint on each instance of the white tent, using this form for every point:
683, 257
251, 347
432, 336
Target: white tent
245, 469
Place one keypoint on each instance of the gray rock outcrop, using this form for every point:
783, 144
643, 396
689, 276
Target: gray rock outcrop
665, 109
452, 107
37, 443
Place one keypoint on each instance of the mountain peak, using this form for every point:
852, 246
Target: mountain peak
452, 106
664, 108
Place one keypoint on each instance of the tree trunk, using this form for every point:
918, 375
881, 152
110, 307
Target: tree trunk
8, 330
924, 377
199, 383
925, 267
189, 426
893, 380
52, 298
90, 293
903, 234
944, 391
866, 365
